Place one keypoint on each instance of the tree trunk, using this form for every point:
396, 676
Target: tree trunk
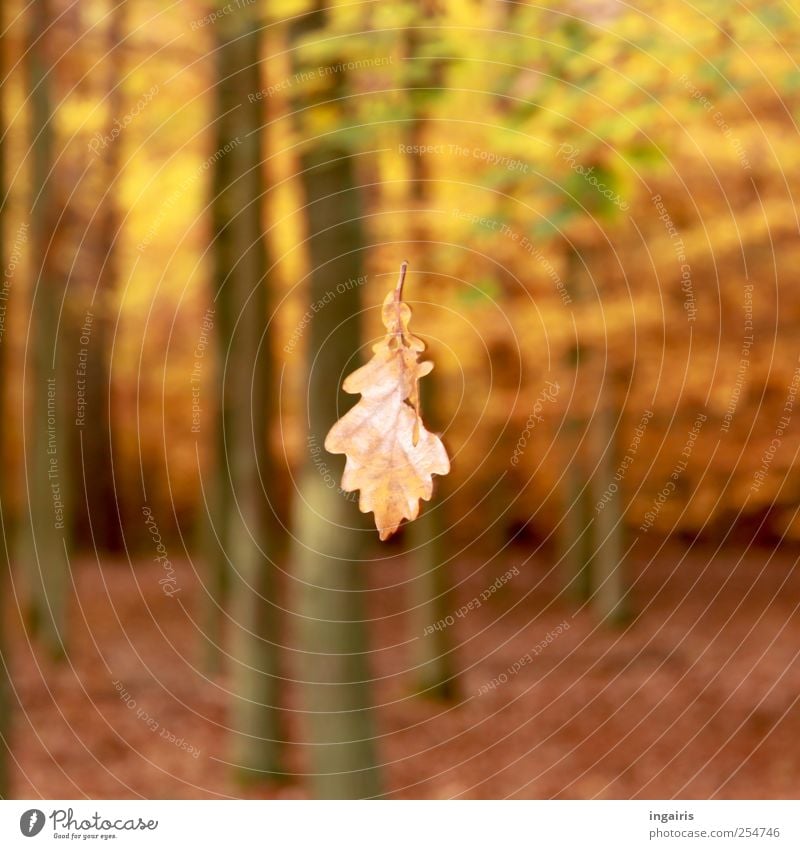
96, 519
244, 466
214, 513
431, 596
218, 502
577, 535
329, 530
5, 577
611, 597
593, 538
45, 545
329, 533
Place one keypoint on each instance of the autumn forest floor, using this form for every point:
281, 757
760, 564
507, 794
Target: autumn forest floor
696, 698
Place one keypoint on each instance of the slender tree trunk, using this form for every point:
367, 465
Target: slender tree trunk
214, 514
5, 576
5, 670
216, 508
610, 598
46, 545
593, 540
329, 531
96, 516
431, 600
577, 536
251, 535
431, 596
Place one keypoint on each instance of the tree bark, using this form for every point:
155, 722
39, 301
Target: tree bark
593, 539
431, 595
5, 576
577, 536
329, 530
244, 466
45, 545
611, 597
329, 533
96, 517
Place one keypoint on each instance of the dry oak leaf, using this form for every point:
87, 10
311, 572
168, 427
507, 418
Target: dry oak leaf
391, 457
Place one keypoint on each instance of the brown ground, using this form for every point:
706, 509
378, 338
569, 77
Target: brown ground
698, 698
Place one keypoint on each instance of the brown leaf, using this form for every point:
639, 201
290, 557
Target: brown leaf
391, 457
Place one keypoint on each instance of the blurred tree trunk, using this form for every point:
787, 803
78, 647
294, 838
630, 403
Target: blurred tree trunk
431, 587
44, 527
220, 503
5, 576
610, 599
431, 596
244, 466
577, 537
329, 535
96, 518
329, 531
218, 500
593, 539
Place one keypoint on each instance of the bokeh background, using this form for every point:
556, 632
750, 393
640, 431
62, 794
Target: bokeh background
203, 208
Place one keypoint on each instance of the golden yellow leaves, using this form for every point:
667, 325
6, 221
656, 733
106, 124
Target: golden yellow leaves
391, 457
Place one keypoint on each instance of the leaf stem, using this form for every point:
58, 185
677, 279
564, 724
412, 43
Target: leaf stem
398, 292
